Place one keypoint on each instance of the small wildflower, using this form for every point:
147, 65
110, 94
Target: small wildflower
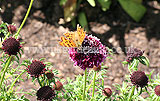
11, 46
45, 93
49, 74
139, 79
157, 90
92, 53
12, 29
36, 68
58, 86
133, 53
107, 92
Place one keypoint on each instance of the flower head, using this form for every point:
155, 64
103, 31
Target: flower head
133, 53
91, 53
11, 46
36, 68
157, 90
107, 92
139, 79
45, 93
58, 86
12, 29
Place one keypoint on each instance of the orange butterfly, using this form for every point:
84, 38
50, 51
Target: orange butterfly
73, 39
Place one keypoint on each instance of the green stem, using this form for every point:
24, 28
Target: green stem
84, 86
5, 69
89, 86
39, 82
16, 80
131, 93
147, 91
6, 36
103, 83
94, 79
25, 18
92, 84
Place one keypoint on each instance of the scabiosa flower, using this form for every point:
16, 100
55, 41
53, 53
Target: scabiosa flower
36, 68
157, 90
12, 29
45, 93
49, 74
139, 79
11, 46
58, 86
91, 53
107, 92
133, 53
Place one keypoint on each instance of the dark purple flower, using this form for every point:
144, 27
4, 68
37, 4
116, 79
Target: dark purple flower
107, 92
133, 53
36, 68
157, 90
91, 53
139, 79
11, 46
45, 93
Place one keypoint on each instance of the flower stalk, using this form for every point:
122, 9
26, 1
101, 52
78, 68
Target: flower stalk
16, 80
94, 79
84, 86
39, 82
25, 18
5, 69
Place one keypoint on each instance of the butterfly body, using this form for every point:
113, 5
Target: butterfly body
73, 39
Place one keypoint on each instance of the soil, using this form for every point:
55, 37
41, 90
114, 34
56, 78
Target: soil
114, 28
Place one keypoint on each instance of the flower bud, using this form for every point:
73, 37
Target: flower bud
58, 86
49, 74
107, 92
157, 90
12, 29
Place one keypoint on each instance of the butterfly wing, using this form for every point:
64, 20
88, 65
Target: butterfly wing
66, 43
81, 34
73, 39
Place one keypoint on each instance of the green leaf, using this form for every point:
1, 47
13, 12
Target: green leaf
144, 60
134, 65
137, 1
73, 22
83, 20
124, 62
92, 3
105, 4
62, 2
135, 10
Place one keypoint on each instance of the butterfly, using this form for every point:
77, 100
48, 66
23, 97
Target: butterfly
73, 39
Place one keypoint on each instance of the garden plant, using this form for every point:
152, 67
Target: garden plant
85, 51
